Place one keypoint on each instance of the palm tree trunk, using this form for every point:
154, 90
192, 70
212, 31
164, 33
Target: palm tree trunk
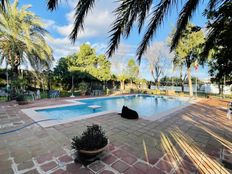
13, 91
219, 88
181, 80
153, 76
190, 82
113, 84
122, 85
182, 86
157, 84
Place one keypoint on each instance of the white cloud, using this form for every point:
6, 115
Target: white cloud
62, 47
70, 3
100, 47
96, 25
120, 59
48, 23
97, 22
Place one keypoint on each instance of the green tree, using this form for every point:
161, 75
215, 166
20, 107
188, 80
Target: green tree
132, 70
22, 38
87, 65
218, 44
130, 12
140, 82
189, 49
113, 80
86, 60
62, 75
122, 78
180, 64
103, 68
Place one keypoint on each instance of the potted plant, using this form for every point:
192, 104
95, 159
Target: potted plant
91, 143
21, 99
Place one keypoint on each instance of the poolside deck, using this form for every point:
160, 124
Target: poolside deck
195, 138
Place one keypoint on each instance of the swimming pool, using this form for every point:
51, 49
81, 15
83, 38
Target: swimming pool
145, 105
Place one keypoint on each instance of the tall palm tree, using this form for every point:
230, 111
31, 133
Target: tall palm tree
122, 78
22, 38
131, 11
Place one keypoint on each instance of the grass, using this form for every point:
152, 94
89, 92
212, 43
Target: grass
3, 99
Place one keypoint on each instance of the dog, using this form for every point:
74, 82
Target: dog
129, 113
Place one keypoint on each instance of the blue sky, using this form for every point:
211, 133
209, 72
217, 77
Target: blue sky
59, 24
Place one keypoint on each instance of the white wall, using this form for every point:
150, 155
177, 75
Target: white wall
207, 88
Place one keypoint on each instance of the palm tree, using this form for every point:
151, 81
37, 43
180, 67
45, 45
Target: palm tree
130, 12
122, 78
22, 38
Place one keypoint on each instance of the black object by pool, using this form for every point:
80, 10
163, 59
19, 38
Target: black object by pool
129, 113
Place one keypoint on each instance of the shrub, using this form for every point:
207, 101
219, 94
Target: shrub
83, 87
21, 97
92, 139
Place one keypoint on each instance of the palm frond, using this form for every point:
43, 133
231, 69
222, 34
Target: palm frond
209, 42
145, 7
132, 10
2, 58
127, 13
219, 29
123, 15
214, 3
3, 3
158, 15
52, 4
137, 9
185, 14
82, 10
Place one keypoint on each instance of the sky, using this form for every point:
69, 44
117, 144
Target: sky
59, 24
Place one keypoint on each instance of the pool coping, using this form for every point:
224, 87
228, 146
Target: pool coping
164, 115
45, 122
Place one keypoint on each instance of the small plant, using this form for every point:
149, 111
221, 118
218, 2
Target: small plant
92, 139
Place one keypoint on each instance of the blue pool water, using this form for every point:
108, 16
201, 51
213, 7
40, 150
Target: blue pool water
145, 105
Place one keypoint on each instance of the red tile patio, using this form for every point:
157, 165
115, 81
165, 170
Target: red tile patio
195, 139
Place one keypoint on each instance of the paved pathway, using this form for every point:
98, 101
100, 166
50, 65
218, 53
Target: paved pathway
196, 139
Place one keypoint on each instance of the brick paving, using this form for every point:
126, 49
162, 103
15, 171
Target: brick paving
194, 139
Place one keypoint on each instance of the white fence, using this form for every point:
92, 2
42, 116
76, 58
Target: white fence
206, 88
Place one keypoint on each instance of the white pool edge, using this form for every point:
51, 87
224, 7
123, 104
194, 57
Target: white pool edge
37, 117
165, 115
